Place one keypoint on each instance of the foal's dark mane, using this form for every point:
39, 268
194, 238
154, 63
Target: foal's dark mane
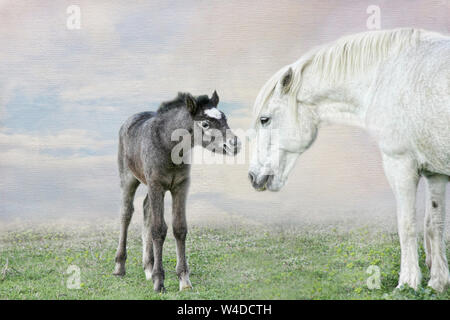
179, 101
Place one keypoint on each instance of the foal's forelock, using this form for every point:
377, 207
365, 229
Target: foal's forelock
213, 113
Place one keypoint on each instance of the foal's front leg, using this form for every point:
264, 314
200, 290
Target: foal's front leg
158, 229
403, 178
179, 225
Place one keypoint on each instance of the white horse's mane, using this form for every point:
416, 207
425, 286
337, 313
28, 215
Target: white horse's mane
346, 57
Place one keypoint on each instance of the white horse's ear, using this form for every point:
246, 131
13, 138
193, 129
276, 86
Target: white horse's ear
286, 80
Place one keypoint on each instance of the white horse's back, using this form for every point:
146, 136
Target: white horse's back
410, 109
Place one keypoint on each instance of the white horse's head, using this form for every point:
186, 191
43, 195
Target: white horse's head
284, 129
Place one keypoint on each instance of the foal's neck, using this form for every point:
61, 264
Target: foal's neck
174, 124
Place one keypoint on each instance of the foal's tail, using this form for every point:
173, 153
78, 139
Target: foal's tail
120, 156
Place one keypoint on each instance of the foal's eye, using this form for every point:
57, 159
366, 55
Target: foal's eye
264, 120
205, 125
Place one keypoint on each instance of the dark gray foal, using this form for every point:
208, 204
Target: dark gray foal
146, 156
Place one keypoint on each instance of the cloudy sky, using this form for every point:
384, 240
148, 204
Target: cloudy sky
64, 94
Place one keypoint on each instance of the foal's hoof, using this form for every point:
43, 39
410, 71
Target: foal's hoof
119, 270
148, 274
185, 285
159, 287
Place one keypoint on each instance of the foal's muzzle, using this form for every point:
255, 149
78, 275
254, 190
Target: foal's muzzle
232, 146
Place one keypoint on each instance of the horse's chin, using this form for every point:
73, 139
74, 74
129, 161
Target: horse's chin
273, 188
274, 185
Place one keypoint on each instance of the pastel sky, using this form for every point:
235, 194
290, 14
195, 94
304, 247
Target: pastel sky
64, 94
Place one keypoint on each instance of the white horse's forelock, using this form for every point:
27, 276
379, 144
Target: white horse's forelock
268, 88
346, 57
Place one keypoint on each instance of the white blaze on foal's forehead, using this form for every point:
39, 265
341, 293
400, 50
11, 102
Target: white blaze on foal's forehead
213, 113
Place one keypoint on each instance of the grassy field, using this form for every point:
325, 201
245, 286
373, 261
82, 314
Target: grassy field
225, 263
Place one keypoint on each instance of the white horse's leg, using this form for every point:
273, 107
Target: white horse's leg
403, 178
434, 232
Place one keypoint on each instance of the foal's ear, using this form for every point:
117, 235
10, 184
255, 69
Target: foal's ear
286, 80
215, 98
191, 104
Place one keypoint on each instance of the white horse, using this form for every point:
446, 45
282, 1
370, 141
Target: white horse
395, 84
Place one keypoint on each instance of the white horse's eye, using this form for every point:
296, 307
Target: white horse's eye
264, 120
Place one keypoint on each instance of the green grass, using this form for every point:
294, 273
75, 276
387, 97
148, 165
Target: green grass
225, 263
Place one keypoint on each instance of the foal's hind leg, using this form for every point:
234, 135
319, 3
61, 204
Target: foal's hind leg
129, 185
147, 242
179, 194
434, 232
158, 229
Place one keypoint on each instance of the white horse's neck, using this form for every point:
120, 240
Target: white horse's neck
341, 105
339, 113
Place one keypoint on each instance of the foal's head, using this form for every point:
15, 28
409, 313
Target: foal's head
212, 123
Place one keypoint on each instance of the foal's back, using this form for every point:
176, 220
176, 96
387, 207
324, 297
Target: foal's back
131, 136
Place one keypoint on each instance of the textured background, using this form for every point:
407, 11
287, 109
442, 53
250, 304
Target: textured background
64, 94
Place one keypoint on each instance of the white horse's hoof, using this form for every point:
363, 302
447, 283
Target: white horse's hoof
410, 279
439, 284
413, 285
428, 262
